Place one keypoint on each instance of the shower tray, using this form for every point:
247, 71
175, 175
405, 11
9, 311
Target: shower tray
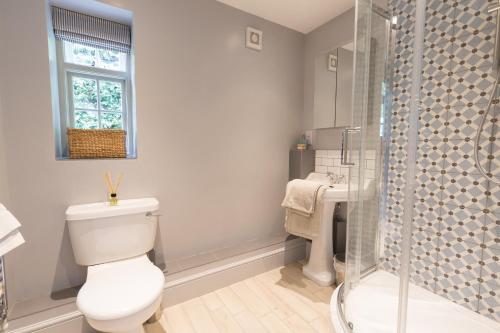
374, 304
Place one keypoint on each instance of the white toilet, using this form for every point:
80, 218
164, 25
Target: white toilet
123, 287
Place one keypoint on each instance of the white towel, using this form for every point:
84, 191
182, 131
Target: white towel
8, 223
306, 226
10, 237
10, 242
301, 196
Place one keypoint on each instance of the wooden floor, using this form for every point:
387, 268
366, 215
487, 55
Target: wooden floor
281, 300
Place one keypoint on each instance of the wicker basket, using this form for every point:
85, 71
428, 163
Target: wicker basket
99, 143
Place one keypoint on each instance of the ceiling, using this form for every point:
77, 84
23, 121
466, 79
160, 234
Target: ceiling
300, 15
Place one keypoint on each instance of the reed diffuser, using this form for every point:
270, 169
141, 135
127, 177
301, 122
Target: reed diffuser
112, 188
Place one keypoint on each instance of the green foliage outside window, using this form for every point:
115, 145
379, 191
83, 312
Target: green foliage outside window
84, 93
110, 58
111, 120
86, 96
86, 120
111, 95
94, 57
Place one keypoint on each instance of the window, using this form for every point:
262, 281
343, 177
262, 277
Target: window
93, 75
95, 57
95, 84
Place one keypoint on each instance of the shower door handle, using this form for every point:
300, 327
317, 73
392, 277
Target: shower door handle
344, 158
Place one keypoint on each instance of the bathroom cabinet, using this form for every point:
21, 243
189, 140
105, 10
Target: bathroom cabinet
343, 107
333, 88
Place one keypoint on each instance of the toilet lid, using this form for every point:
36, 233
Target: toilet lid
119, 289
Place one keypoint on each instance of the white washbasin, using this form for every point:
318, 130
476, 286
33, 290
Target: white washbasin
337, 192
340, 192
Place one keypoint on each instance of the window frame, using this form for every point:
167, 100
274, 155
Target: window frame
66, 71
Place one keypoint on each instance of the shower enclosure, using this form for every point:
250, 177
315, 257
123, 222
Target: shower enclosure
423, 230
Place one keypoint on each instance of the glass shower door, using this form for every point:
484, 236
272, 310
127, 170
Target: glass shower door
365, 146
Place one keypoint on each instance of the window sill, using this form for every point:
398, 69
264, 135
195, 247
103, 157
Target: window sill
131, 157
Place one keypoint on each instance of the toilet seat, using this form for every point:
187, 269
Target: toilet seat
120, 289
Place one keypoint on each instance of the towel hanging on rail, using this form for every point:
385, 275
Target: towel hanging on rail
10, 236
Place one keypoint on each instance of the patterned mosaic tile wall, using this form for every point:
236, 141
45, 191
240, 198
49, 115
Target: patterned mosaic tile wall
456, 230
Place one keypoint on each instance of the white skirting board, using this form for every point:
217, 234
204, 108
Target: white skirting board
179, 287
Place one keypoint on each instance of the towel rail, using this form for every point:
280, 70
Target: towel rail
3, 297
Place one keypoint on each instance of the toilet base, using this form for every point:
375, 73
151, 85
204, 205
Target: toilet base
139, 329
128, 324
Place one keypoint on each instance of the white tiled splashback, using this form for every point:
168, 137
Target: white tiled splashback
329, 161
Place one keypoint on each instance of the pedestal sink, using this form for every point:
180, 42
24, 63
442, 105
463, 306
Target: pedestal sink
340, 192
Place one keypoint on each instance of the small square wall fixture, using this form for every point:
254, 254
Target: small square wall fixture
332, 63
254, 39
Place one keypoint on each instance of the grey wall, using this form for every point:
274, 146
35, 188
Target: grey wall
4, 191
335, 33
215, 123
3, 169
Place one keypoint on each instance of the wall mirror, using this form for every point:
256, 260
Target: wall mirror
333, 87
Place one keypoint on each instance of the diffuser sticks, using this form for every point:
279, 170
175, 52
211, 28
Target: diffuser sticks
112, 188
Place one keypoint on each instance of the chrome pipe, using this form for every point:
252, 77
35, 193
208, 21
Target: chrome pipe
496, 71
480, 130
496, 49
5, 309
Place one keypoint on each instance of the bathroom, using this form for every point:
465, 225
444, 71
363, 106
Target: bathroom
216, 97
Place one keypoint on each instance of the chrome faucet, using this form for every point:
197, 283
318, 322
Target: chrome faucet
330, 175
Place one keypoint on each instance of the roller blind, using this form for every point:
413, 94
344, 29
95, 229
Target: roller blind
90, 30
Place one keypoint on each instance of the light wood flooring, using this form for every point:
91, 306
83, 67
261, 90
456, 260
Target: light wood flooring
279, 301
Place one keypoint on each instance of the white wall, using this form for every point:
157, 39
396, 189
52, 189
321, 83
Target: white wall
215, 122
